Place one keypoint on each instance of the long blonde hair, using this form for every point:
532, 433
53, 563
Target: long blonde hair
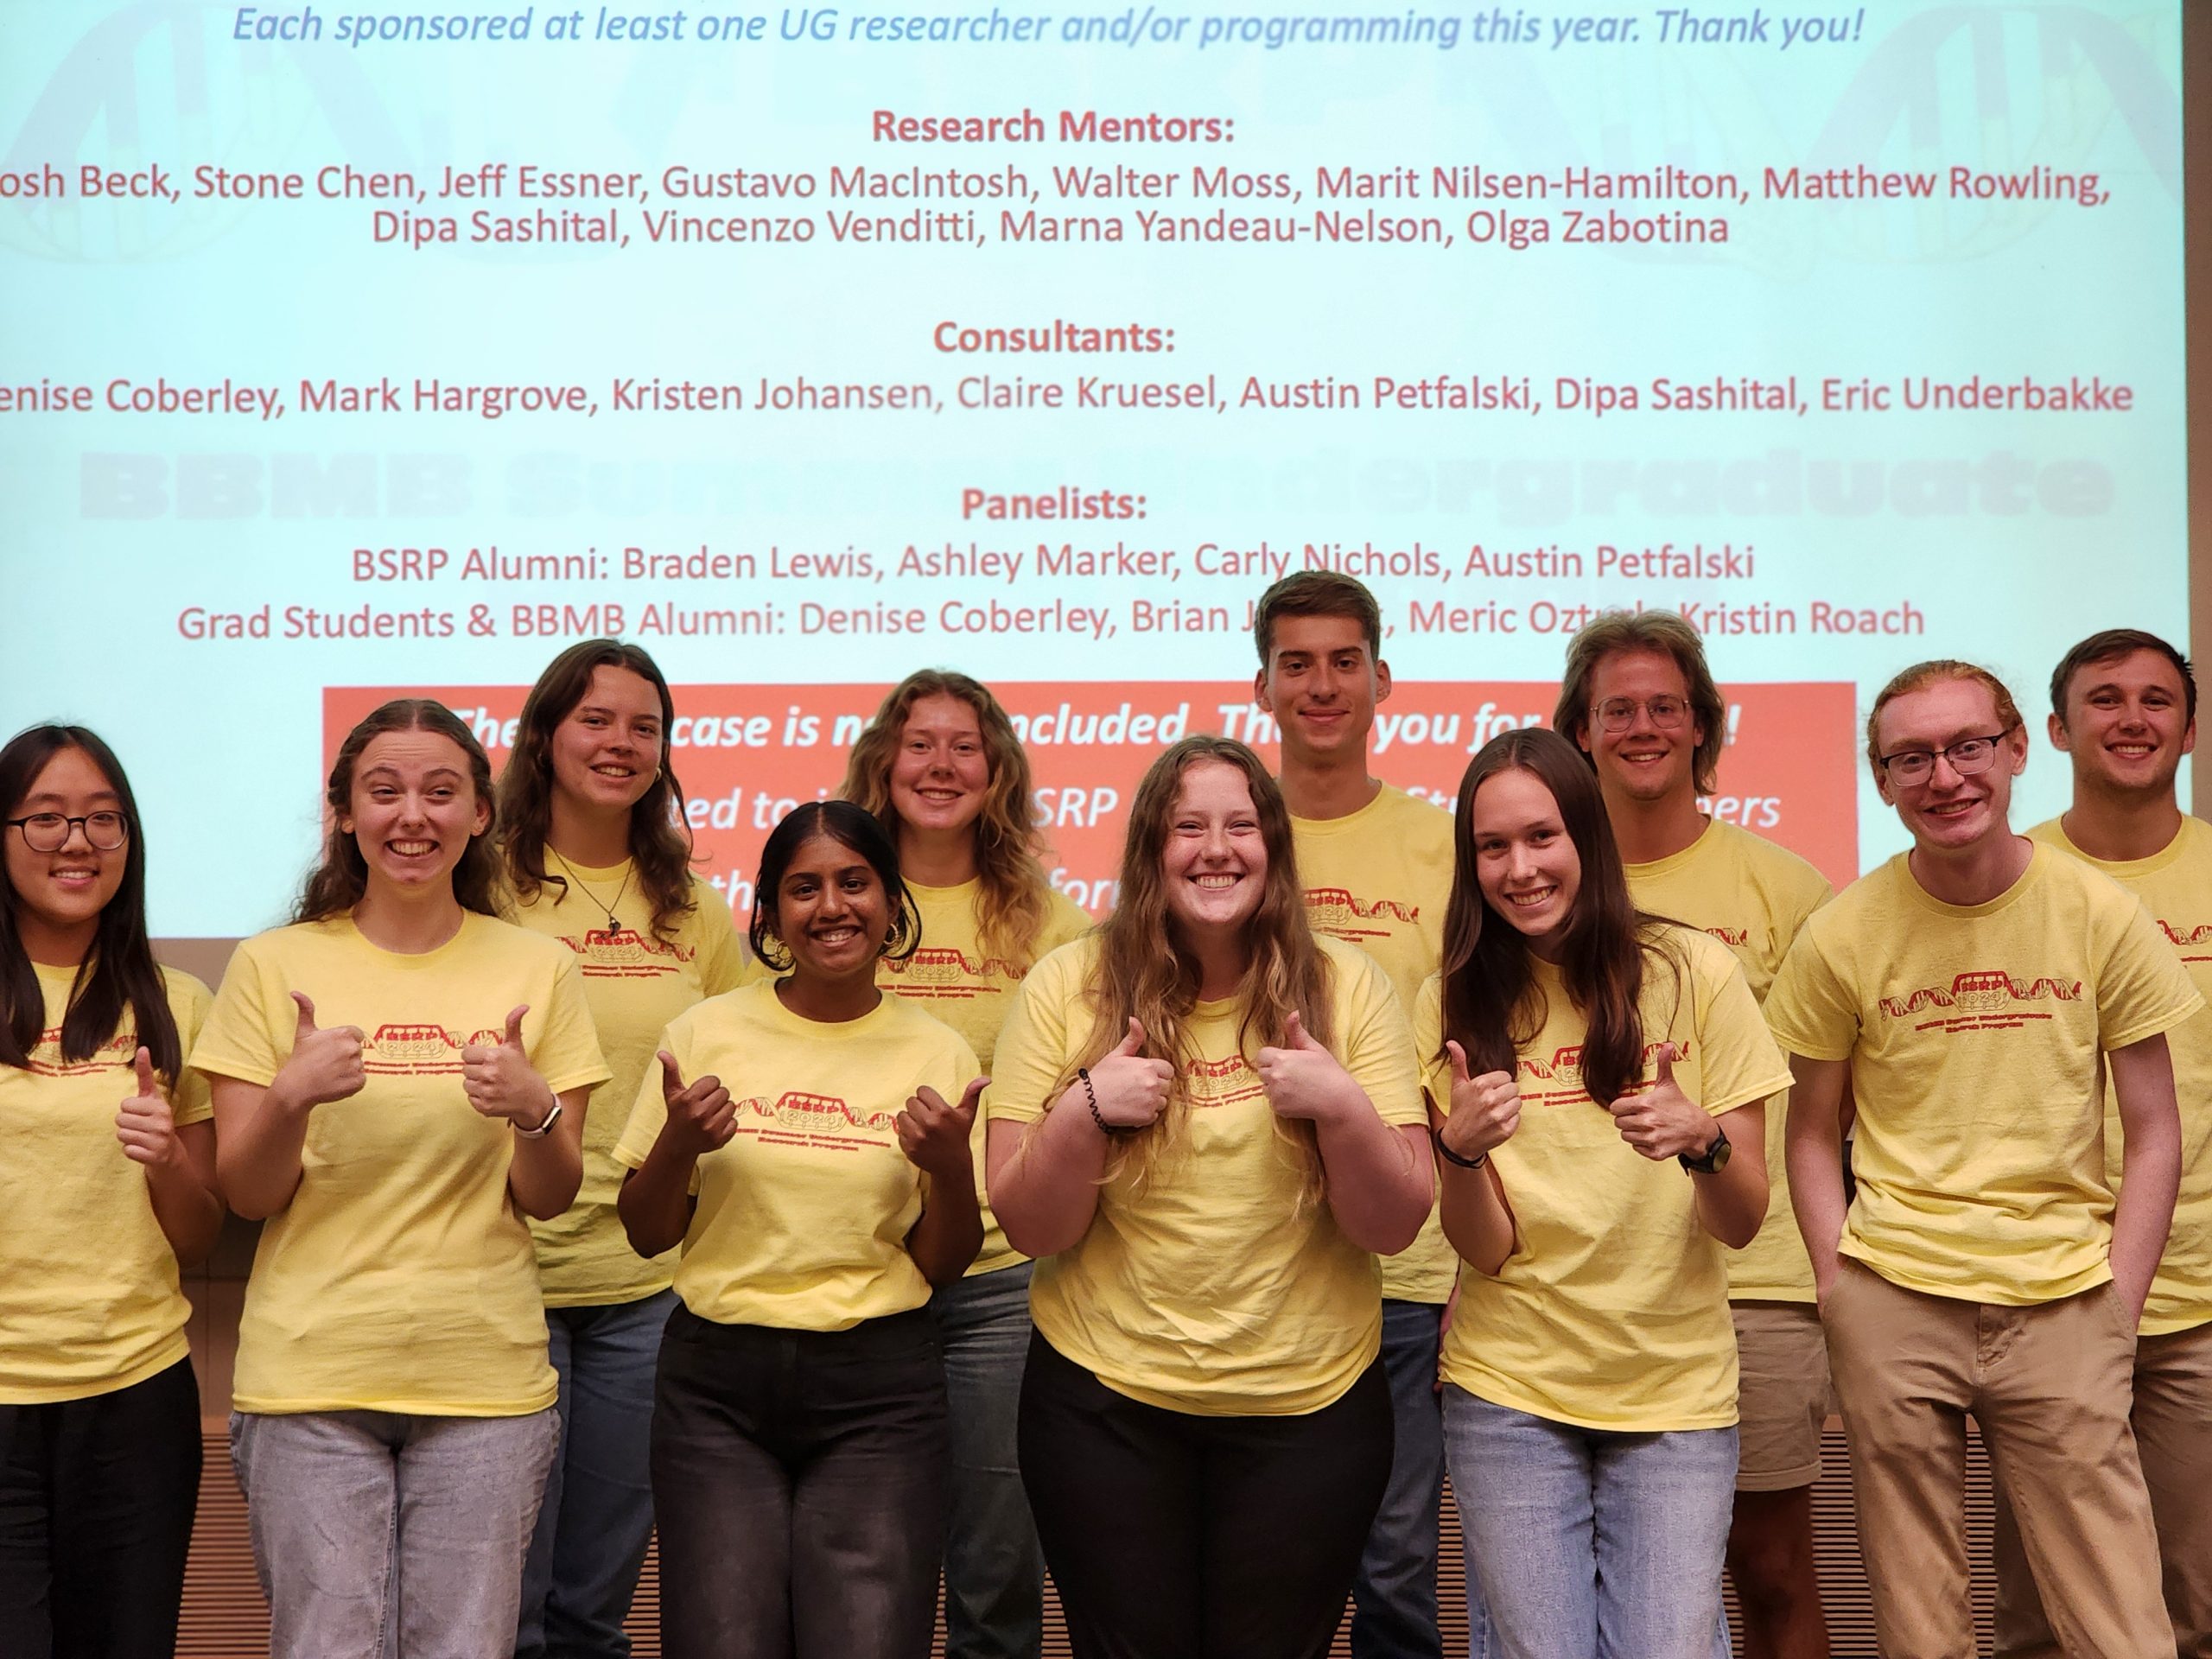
1142, 969
1015, 896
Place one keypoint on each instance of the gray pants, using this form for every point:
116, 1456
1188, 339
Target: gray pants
381, 1535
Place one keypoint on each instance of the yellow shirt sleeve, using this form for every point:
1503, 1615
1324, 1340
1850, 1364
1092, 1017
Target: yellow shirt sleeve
2141, 990
1810, 1010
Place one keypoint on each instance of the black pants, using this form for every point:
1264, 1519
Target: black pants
95, 1502
1176, 1536
799, 1487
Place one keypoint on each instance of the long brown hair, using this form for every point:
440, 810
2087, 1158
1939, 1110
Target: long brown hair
1142, 968
1015, 895
119, 972
341, 875
1492, 1004
660, 846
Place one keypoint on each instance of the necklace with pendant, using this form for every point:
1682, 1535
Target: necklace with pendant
614, 925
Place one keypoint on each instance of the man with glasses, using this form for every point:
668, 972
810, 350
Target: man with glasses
1638, 700
2124, 712
1974, 991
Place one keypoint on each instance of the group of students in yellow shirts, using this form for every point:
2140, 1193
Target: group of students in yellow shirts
943, 1234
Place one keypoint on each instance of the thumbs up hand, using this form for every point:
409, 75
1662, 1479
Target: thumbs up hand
1131, 1089
934, 1136
702, 1118
499, 1080
145, 1125
1303, 1079
1662, 1122
1485, 1109
324, 1064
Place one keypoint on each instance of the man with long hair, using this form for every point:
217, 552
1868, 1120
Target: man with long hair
2123, 709
1376, 866
1639, 702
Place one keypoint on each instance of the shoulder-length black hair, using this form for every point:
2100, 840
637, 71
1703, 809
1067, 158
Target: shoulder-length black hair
341, 874
119, 971
849, 825
1491, 1002
660, 844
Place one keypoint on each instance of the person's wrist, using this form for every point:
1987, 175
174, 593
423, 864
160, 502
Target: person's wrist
1455, 1157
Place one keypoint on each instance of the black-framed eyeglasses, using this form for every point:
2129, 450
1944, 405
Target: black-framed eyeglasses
49, 832
1968, 756
1619, 713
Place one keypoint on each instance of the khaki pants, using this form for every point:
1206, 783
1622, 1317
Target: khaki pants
2049, 1386
2173, 1427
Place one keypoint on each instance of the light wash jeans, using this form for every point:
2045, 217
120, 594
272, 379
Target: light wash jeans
384, 1536
993, 1567
1590, 1544
597, 1514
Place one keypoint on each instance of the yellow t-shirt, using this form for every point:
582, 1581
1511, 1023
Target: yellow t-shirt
400, 1277
89, 1297
802, 1219
1612, 1311
1752, 896
951, 978
634, 984
2176, 886
1975, 1035
1380, 878
1209, 1290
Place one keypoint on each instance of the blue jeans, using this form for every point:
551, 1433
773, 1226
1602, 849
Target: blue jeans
598, 1513
994, 1569
1394, 1598
1589, 1543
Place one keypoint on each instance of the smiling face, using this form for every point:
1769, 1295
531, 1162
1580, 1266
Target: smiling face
1647, 761
607, 749
1321, 684
1947, 812
1214, 864
832, 912
412, 809
2126, 724
1525, 862
59, 895
940, 774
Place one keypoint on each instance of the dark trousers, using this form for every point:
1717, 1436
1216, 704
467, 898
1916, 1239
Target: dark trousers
95, 1502
799, 1487
1172, 1536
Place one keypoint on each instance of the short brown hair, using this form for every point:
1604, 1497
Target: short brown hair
1919, 677
1317, 593
2110, 647
1664, 631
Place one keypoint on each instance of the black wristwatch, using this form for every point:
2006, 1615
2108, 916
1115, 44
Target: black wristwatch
1716, 1155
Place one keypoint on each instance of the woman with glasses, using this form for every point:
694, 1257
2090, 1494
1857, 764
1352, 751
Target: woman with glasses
597, 856
107, 1186
399, 1081
1597, 1080
942, 771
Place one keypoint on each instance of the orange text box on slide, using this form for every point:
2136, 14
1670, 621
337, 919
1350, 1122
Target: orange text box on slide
747, 754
